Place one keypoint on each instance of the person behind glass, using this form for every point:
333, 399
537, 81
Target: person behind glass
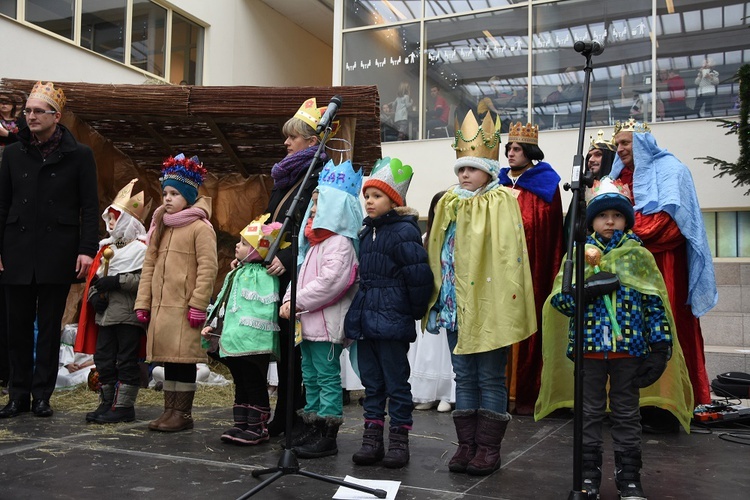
108, 322
301, 145
706, 80
668, 220
432, 378
482, 293
395, 285
57, 205
242, 331
328, 249
600, 156
400, 107
176, 286
438, 116
625, 348
536, 186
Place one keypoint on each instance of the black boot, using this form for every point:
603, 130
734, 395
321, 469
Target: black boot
325, 445
628, 475
372, 450
239, 413
256, 431
592, 470
106, 399
124, 407
309, 433
398, 448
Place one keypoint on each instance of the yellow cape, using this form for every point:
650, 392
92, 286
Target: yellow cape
636, 268
494, 294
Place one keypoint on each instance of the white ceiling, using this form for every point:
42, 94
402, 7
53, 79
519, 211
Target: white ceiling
314, 16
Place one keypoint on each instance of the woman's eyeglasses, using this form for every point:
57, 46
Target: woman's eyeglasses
38, 111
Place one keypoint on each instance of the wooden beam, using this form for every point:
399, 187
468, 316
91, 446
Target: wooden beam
155, 135
227, 146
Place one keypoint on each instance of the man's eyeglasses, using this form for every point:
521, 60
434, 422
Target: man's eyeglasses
38, 111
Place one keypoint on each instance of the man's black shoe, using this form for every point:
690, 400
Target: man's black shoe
14, 408
41, 408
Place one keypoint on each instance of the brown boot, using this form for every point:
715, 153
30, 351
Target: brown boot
491, 428
181, 417
466, 427
169, 399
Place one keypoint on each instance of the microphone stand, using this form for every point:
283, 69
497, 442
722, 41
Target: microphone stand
577, 211
288, 463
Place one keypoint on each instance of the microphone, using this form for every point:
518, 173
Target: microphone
593, 48
329, 115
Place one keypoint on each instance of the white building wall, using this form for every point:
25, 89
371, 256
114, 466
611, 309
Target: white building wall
246, 43
432, 161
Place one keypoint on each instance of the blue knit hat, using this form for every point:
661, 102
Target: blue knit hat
183, 174
607, 194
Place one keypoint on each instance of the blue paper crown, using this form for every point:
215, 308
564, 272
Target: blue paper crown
342, 177
190, 171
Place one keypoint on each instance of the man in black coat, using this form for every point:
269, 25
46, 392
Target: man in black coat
49, 218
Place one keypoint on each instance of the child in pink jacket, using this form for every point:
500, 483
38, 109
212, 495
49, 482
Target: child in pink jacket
325, 289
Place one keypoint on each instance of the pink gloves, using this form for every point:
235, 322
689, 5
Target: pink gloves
143, 315
196, 317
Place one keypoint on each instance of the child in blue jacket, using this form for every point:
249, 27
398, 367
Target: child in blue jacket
395, 287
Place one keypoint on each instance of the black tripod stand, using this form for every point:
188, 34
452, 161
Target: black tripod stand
578, 185
288, 463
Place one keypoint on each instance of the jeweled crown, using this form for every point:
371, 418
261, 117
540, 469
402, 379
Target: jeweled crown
631, 126
523, 133
310, 113
473, 139
260, 235
608, 186
49, 94
342, 177
183, 169
601, 143
132, 203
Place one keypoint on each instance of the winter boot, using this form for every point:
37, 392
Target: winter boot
309, 433
325, 445
256, 431
239, 412
169, 400
124, 408
628, 475
489, 436
466, 427
372, 450
106, 398
398, 448
592, 471
181, 417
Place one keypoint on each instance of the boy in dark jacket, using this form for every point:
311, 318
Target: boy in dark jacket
395, 286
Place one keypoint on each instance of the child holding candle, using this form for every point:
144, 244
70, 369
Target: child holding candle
627, 343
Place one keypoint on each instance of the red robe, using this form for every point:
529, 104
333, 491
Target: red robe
543, 226
663, 239
88, 331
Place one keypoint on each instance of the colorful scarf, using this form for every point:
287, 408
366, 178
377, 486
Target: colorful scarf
180, 219
287, 171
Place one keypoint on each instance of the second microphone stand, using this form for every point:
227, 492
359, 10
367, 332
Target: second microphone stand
288, 463
578, 184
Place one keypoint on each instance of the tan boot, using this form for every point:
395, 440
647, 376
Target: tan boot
181, 417
169, 398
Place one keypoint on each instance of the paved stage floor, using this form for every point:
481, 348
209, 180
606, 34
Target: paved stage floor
62, 457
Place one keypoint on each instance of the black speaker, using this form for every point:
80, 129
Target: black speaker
736, 384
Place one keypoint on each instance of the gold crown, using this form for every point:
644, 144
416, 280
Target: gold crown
523, 133
631, 126
134, 205
49, 94
475, 140
310, 113
600, 143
